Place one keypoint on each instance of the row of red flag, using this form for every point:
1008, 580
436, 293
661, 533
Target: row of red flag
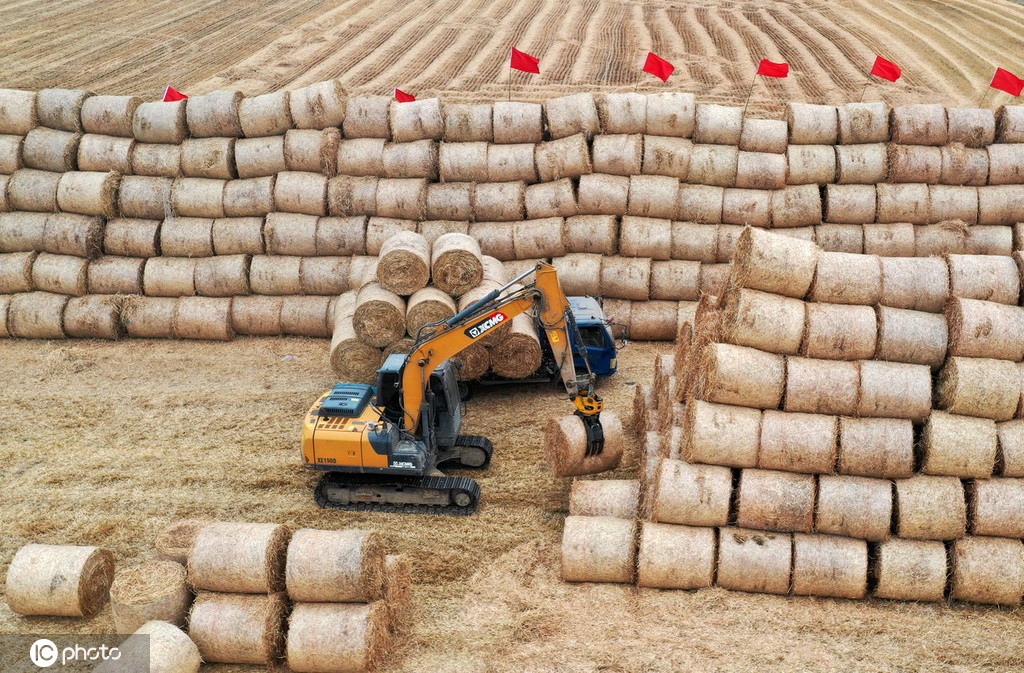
1004, 80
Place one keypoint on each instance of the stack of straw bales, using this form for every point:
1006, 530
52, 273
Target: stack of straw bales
795, 442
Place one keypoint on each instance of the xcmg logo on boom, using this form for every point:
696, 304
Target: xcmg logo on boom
482, 328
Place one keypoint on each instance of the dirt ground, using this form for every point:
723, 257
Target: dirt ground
106, 443
948, 48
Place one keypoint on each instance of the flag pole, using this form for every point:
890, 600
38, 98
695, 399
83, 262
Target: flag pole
864, 90
750, 92
510, 83
985, 97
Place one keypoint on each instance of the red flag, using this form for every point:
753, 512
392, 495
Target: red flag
658, 66
171, 94
523, 61
886, 69
403, 97
771, 69
1005, 80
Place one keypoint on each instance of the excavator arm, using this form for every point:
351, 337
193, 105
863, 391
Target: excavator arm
466, 327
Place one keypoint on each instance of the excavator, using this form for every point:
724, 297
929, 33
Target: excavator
381, 447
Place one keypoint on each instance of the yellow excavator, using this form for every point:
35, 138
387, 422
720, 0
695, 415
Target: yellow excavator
381, 447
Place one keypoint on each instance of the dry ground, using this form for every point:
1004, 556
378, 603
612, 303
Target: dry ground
105, 443
948, 48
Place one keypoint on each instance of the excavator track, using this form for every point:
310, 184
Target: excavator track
479, 442
397, 494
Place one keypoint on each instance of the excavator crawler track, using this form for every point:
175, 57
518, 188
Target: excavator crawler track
383, 489
479, 442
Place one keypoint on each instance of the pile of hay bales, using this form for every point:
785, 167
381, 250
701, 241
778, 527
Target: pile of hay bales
830, 425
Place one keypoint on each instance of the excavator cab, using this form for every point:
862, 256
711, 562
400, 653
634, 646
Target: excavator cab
442, 406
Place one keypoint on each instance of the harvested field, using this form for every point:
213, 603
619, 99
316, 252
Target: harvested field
489, 583
461, 48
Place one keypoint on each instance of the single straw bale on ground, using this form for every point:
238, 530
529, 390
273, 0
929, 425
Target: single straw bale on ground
854, 507
754, 561
930, 508
598, 549
237, 628
337, 637
826, 565
149, 591
239, 558
604, 497
988, 570
59, 580
165, 648
911, 570
676, 557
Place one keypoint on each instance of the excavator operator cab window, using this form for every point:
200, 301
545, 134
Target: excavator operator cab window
593, 336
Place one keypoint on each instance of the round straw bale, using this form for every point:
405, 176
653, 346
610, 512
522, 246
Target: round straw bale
919, 124
917, 284
203, 318
796, 442
472, 362
863, 164
653, 196
510, 163
714, 279
379, 319
435, 229
569, 115
849, 204
591, 233
894, 390
145, 197
903, 203
565, 446
404, 265
516, 122
149, 317
619, 155
953, 203
259, 157
821, 386
645, 237
773, 263
49, 150
914, 163
186, 237
676, 557
654, 321
985, 329
958, 446
713, 165
1001, 204
1010, 124
297, 192
760, 170
16, 272
367, 117
11, 154
811, 164
238, 629
675, 280
847, 238
252, 197
149, 591
214, 115
914, 337
1011, 447
237, 236
68, 234
863, 123
603, 194
352, 196
402, 198
563, 158
411, 160
995, 506
160, 123
1004, 164
456, 264
840, 332
239, 558
598, 549
494, 238
974, 127
911, 570
164, 648
876, 447
700, 203
452, 201
930, 508
812, 124
988, 570
426, 306
222, 276
59, 580
312, 151
460, 162
351, 359
718, 434
380, 229
324, 275
200, 197
798, 206
661, 156
175, 541
335, 566
825, 565
779, 501
105, 153
626, 278
361, 157
693, 495
844, 278
764, 321
754, 561
604, 497
265, 115
17, 111
764, 135
417, 120
60, 274
256, 315
156, 160
624, 112
36, 315
618, 312
338, 638
989, 240
694, 241
116, 275
468, 122
979, 387
518, 354
963, 166
717, 124
740, 376
88, 193
854, 507
61, 108
169, 276
578, 273
500, 201
534, 239
208, 158
397, 590
551, 199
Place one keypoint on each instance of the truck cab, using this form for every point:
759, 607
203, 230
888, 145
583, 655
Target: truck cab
596, 334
